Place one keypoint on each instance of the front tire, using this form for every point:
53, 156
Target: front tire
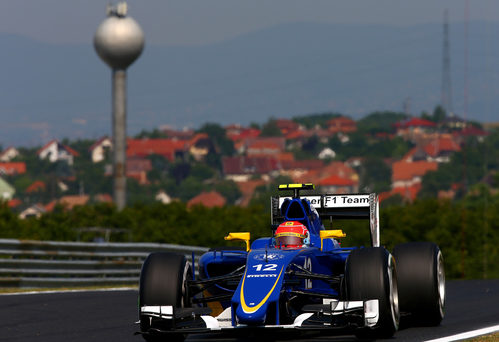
421, 279
370, 274
163, 282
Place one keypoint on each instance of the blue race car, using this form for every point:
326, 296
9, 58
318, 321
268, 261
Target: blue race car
299, 278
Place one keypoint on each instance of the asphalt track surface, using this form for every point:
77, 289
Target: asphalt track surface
110, 316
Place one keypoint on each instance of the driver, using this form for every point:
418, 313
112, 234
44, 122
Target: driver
292, 235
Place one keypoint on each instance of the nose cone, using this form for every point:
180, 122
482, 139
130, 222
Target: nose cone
256, 318
119, 41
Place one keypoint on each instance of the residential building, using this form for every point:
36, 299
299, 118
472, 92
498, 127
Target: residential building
8, 154
169, 148
341, 124
208, 199
55, 151
7, 191
100, 150
12, 168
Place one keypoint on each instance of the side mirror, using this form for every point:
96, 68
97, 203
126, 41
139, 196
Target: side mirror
244, 236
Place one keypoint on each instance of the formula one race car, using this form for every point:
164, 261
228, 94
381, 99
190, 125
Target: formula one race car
299, 278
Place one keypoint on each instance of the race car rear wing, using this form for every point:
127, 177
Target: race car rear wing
331, 207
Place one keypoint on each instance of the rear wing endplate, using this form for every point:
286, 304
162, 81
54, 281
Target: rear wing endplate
339, 207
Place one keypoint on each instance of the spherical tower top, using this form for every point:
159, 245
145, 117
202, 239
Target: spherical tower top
119, 40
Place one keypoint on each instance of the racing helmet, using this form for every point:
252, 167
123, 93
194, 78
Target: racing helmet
292, 234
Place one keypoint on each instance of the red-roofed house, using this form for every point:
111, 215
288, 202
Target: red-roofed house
437, 150
335, 168
338, 185
68, 202
286, 126
413, 128
55, 151
12, 168
208, 199
241, 168
341, 124
35, 187
440, 149
8, 154
406, 174
247, 190
266, 146
168, 148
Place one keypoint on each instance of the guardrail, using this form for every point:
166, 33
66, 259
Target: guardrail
27, 263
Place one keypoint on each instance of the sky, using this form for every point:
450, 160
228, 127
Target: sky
199, 22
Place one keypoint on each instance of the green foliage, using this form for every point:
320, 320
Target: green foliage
467, 231
312, 120
469, 166
375, 175
361, 145
378, 122
217, 133
270, 129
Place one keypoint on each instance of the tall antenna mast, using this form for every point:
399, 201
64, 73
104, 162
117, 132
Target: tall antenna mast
446, 99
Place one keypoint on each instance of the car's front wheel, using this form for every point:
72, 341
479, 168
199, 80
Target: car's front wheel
370, 274
163, 282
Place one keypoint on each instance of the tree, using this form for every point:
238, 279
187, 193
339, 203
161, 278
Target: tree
270, 129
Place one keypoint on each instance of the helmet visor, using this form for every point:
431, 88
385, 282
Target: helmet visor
285, 240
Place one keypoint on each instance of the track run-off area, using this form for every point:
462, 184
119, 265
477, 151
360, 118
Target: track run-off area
82, 316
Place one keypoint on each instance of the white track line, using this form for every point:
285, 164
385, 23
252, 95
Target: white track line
468, 334
69, 291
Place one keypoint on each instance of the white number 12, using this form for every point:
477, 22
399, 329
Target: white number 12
265, 267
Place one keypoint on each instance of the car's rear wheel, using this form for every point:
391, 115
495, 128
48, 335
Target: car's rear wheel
163, 282
421, 279
370, 274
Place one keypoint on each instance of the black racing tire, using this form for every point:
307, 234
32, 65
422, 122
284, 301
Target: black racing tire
163, 282
370, 274
421, 281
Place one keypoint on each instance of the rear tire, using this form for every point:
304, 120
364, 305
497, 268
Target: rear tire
421, 279
163, 282
370, 274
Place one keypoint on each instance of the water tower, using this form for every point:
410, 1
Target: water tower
119, 41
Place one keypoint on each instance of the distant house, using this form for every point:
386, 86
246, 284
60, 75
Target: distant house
413, 128
163, 197
437, 150
36, 210
55, 151
242, 168
237, 132
406, 174
342, 124
169, 148
200, 145
68, 202
266, 146
327, 153
36, 186
7, 191
138, 168
12, 168
100, 149
335, 168
337, 185
286, 126
208, 199
247, 189
8, 154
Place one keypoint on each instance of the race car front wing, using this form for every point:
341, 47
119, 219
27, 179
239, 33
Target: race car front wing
332, 314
